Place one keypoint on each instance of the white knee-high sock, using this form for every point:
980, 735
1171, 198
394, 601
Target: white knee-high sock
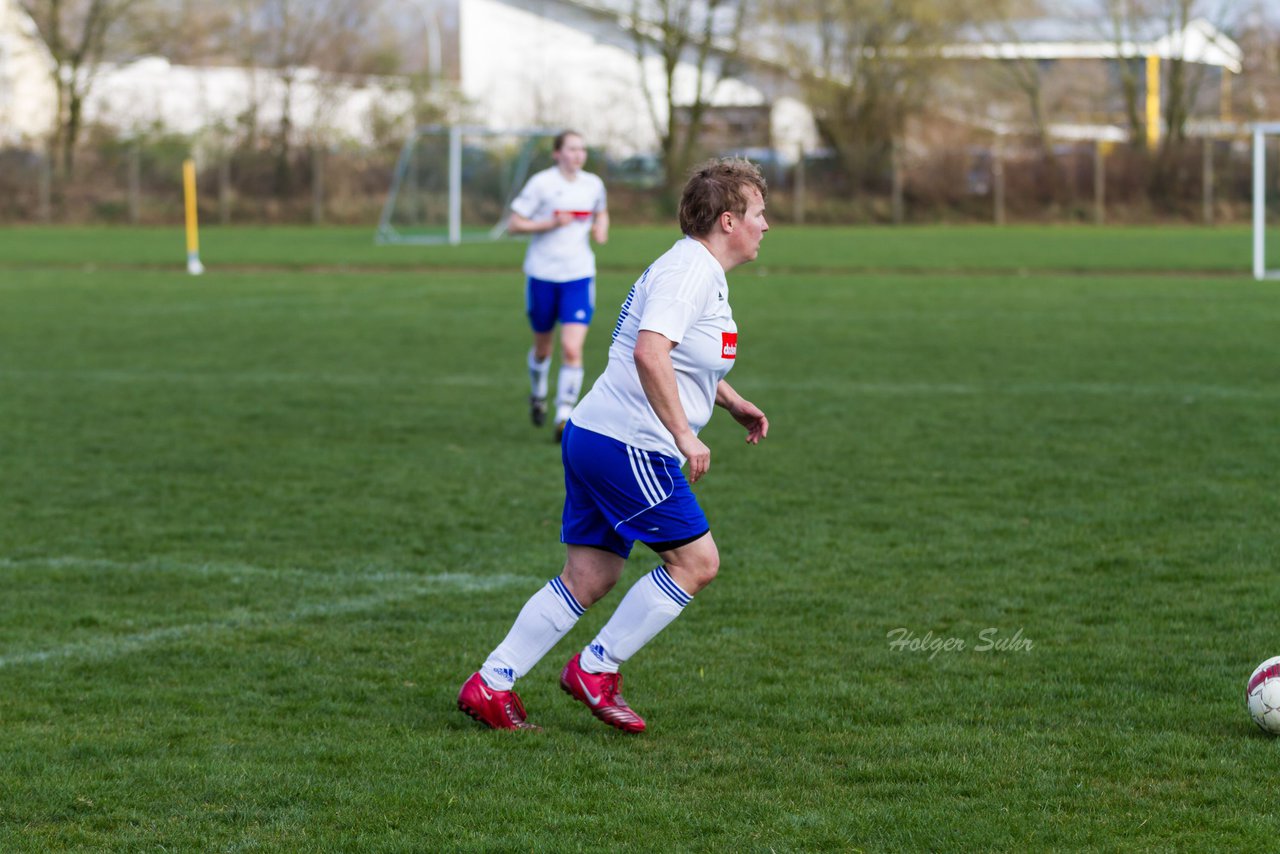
539, 372
648, 608
568, 387
543, 620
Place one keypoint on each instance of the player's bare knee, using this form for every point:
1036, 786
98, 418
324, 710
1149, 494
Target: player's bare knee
587, 589
695, 571
591, 573
710, 568
542, 344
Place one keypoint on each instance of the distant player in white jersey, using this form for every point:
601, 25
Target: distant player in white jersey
623, 449
562, 208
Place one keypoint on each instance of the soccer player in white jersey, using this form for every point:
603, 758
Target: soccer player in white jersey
561, 207
623, 448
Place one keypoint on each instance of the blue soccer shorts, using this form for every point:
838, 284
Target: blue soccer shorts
616, 494
567, 302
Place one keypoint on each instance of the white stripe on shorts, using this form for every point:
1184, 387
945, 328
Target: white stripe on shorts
646, 477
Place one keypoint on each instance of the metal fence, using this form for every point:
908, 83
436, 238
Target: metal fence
1201, 180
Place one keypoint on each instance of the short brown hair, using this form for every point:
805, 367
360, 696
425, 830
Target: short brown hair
558, 142
717, 186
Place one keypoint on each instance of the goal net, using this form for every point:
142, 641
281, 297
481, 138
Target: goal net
1263, 137
454, 184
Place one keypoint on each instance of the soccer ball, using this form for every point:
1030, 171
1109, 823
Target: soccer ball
1263, 696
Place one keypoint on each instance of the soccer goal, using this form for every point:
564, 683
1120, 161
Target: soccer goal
455, 183
1261, 133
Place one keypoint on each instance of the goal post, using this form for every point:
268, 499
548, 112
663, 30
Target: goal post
454, 183
1261, 132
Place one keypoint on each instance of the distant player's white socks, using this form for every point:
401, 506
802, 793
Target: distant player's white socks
568, 387
648, 608
539, 372
543, 620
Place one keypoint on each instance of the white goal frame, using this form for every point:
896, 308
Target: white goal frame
1260, 134
387, 230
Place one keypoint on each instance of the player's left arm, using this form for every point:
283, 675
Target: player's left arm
600, 228
517, 224
744, 412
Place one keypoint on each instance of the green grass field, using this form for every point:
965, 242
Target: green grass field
257, 527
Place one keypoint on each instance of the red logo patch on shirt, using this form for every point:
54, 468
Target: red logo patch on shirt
728, 345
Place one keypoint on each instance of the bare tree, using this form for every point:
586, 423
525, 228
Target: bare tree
1025, 74
1185, 78
79, 34
702, 36
1123, 19
285, 37
866, 67
186, 32
1182, 83
1257, 96
1133, 22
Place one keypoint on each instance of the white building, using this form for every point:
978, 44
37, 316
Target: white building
28, 96
151, 93
573, 63
517, 64
1064, 39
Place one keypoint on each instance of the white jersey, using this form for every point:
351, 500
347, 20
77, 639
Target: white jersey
562, 254
684, 296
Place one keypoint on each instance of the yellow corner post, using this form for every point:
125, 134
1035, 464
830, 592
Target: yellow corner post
194, 267
1153, 100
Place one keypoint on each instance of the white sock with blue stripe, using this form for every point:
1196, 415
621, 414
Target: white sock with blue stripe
648, 608
543, 620
568, 387
539, 372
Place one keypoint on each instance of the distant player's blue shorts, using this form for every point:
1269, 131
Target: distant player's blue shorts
616, 494
567, 302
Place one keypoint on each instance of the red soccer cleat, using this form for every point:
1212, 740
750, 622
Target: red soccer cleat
600, 693
494, 709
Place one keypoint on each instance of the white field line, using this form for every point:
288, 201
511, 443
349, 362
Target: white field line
852, 388
327, 304
233, 377
408, 586
871, 388
355, 575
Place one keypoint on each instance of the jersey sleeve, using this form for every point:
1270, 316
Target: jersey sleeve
526, 204
673, 305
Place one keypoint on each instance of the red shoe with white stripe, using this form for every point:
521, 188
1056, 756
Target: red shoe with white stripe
494, 709
601, 693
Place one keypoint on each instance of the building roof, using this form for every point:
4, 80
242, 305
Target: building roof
1199, 42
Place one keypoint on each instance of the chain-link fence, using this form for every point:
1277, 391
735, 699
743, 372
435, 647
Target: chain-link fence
140, 182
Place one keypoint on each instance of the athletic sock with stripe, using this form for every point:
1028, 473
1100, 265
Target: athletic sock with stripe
648, 608
543, 620
568, 387
539, 372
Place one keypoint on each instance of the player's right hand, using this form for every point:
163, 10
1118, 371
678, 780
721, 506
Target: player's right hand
698, 455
